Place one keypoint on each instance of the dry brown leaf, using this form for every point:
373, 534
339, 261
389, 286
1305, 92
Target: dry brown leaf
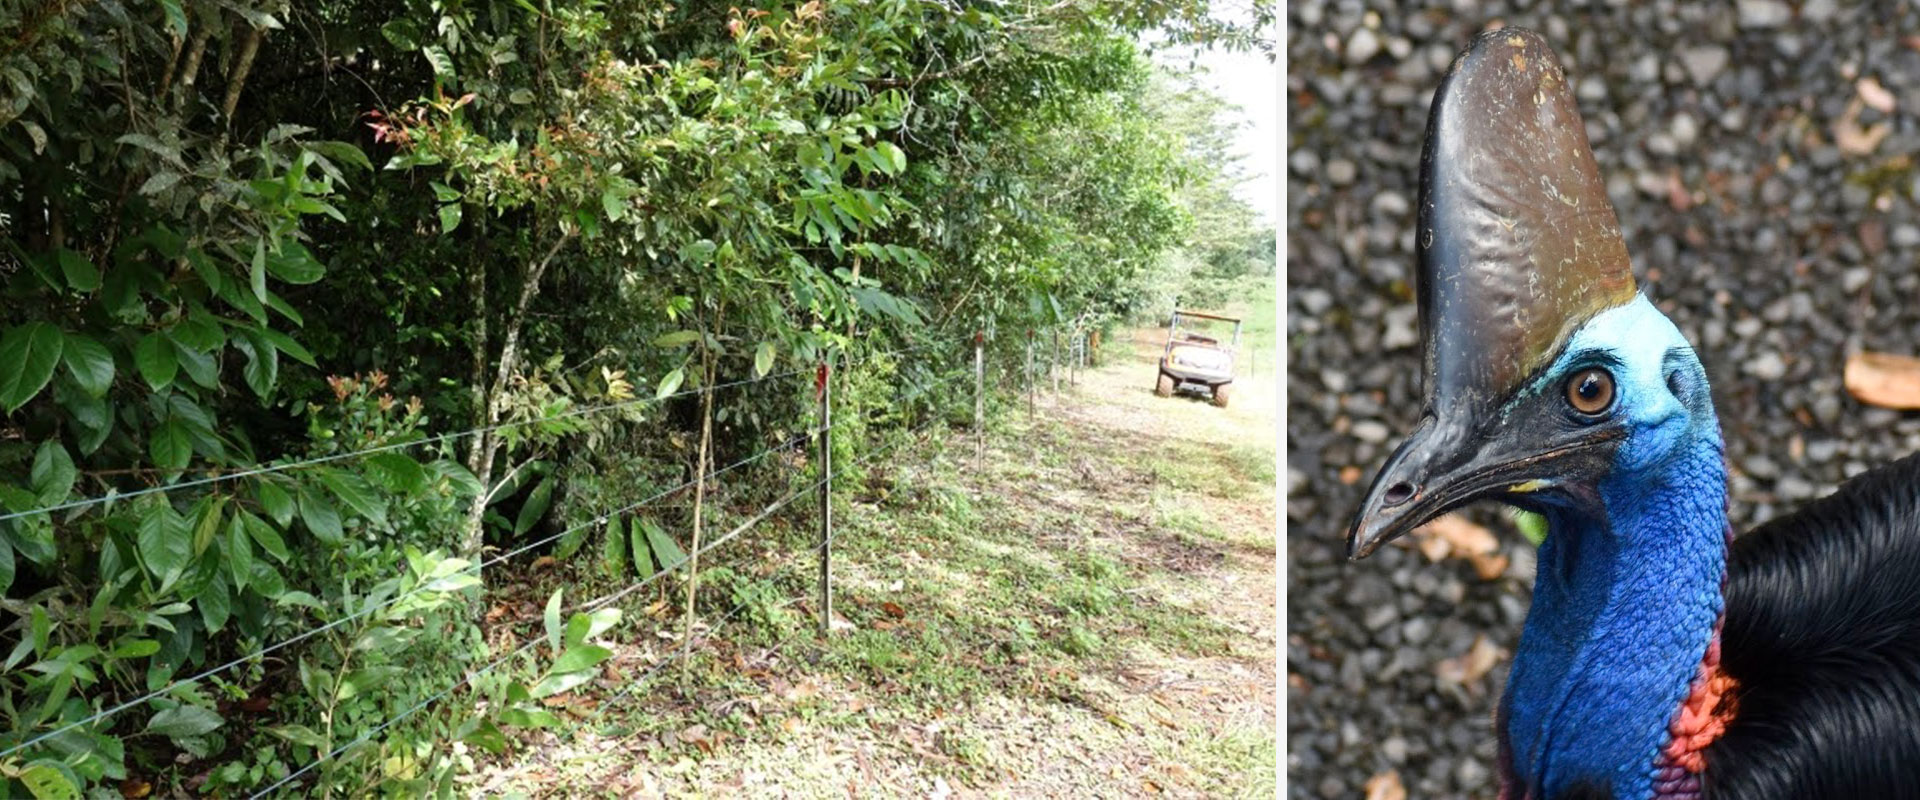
1472, 665
1874, 95
1677, 195
1489, 566
1386, 786
544, 562
1884, 379
1454, 535
134, 788
1434, 548
1852, 138
699, 736
893, 609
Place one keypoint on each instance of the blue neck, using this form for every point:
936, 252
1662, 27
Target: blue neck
1624, 605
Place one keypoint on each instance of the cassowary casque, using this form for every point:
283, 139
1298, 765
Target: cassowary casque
1663, 657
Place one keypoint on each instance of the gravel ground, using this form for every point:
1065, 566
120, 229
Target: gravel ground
1761, 157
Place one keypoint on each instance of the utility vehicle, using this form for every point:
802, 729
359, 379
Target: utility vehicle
1196, 362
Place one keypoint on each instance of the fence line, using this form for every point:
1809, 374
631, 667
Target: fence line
590, 605
258, 470
363, 613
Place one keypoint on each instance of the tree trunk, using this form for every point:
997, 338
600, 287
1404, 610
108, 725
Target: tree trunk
486, 444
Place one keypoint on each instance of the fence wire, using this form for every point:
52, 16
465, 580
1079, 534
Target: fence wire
593, 605
259, 470
474, 569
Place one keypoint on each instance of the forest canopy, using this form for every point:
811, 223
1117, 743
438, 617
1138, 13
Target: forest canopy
257, 234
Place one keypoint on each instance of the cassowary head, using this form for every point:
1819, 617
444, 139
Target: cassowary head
1545, 370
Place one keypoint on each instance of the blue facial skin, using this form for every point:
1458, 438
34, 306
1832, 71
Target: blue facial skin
1625, 600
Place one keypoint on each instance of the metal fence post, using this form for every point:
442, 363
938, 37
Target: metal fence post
1053, 363
823, 383
1075, 347
979, 399
1029, 376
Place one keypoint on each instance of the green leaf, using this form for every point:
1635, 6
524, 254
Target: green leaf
165, 543
342, 152
257, 271
294, 264
239, 554
90, 364
670, 383
216, 601
28, 355
262, 369
6, 568
274, 500
176, 17
449, 217
274, 302
154, 356
642, 552
397, 472
264, 534
182, 721
354, 491
485, 734
208, 523
581, 656
135, 648
529, 718
613, 204
170, 445
200, 366
81, 274
199, 333
437, 56
561, 682
552, 619
763, 359
670, 554
581, 627
48, 779
286, 344
301, 734
53, 473
677, 339
320, 517
536, 506
698, 252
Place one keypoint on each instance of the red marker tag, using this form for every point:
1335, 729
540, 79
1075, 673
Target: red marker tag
820, 381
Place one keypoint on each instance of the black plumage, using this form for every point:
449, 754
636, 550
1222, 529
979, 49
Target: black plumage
1822, 636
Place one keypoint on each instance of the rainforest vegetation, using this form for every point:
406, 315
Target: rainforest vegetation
244, 234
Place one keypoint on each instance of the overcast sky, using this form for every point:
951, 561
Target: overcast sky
1252, 83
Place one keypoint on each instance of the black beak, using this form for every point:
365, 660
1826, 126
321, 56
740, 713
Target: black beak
1443, 467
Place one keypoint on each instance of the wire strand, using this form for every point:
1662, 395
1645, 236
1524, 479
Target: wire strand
589, 605
363, 613
258, 470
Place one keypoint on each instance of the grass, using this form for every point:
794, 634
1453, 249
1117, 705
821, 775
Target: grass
1060, 619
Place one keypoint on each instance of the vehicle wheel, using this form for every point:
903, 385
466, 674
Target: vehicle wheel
1221, 393
1164, 387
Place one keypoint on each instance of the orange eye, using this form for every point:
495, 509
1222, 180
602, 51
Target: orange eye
1590, 391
